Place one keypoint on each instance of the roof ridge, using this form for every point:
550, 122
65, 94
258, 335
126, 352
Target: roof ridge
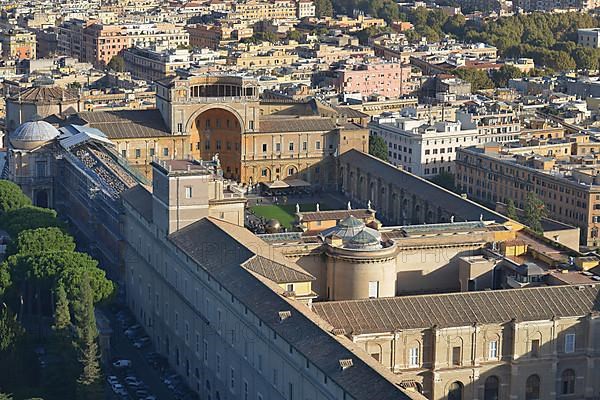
457, 294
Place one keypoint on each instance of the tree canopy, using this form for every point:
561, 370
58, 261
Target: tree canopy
323, 8
29, 217
534, 212
478, 79
378, 148
117, 64
11, 197
33, 241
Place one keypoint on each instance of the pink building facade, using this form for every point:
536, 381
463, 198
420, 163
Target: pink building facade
389, 79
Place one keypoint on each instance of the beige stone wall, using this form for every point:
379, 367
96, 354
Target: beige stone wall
436, 369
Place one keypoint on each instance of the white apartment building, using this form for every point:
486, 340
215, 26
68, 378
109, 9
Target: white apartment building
589, 37
420, 147
495, 121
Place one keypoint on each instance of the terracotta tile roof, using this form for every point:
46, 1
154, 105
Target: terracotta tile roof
310, 124
459, 309
46, 94
277, 272
126, 124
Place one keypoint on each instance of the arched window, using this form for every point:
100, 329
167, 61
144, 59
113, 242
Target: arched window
455, 391
532, 388
568, 381
490, 389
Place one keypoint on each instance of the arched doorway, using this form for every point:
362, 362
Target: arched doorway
532, 388
490, 390
41, 198
218, 131
455, 391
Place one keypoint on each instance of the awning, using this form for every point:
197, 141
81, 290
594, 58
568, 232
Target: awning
296, 183
276, 185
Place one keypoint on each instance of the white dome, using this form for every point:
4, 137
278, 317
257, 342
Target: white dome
33, 133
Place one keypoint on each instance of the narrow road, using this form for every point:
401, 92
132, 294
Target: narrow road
123, 348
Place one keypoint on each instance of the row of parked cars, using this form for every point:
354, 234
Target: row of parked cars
129, 384
137, 336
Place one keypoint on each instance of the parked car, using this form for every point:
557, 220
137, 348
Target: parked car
122, 364
119, 389
132, 381
142, 342
112, 380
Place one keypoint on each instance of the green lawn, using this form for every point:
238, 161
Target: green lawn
284, 213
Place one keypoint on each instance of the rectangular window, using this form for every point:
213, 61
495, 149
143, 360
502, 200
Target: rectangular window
40, 167
232, 379
218, 365
373, 289
493, 350
205, 352
166, 151
124, 153
278, 147
179, 127
318, 145
456, 355
188, 192
264, 147
291, 146
413, 357
535, 348
138, 153
570, 343
304, 146
152, 152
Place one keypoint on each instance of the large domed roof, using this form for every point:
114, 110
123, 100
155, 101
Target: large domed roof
33, 133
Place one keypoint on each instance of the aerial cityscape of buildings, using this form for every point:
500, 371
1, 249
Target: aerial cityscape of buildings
300, 200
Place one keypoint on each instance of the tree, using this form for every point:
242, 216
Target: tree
4, 280
83, 313
88, 384
33, 241
37, 277
586, 58
378, 148
504, 74
445, 180
117, 64
323, 8
294, 35
62, 315
4, 396
477, 78
511, 210
11, 197
29, 217
10, 330
534, 212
